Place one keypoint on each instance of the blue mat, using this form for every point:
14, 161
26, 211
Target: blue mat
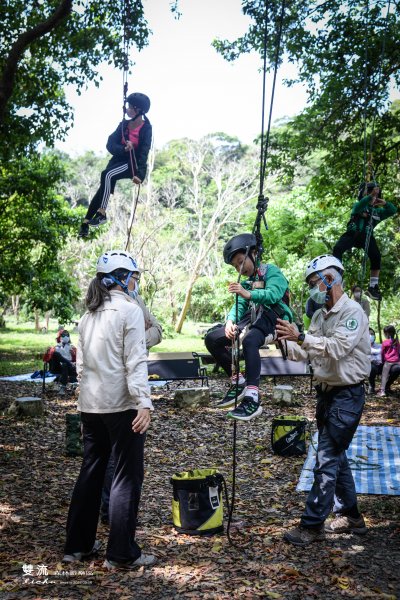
374, 457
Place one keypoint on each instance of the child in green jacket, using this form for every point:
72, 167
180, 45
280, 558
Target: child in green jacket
262, 298
370, 209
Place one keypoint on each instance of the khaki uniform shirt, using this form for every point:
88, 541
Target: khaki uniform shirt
337, 344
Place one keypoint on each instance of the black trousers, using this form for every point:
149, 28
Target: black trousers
375, 370
62, 366
220, 347
357, 240
393, 375
101, 434
111, 174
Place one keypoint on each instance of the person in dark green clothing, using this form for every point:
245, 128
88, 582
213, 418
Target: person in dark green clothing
370, 210
262, 298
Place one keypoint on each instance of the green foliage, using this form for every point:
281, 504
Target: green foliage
347, 57
210, 299
34, 223
69, 54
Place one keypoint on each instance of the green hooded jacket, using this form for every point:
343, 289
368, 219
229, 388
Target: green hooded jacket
271, 296
358, 223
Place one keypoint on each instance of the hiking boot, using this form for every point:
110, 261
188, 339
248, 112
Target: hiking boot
344, 524
62, 390
98, 220
84, 230
374, 293
144, 560
79, 556
230, 396
370, 390
247, 410
302, 536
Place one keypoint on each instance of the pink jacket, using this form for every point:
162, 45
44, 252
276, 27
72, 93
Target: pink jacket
390, 351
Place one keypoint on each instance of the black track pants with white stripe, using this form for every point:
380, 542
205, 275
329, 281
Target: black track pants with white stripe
108, 179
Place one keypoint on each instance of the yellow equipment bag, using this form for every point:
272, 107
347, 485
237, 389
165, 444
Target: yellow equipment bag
197, 507
288, 435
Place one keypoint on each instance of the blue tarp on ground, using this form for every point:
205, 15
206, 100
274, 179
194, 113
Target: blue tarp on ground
49, 378
374, 457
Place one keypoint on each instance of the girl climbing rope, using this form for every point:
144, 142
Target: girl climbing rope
129, 145
366, 214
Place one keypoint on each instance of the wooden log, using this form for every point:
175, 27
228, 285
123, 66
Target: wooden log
27, 406
192, 397
283, 395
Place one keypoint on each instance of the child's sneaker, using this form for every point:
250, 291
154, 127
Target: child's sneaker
62, 390
381, 394
374, 292
230, 396
247, 410
98, 220
84, 230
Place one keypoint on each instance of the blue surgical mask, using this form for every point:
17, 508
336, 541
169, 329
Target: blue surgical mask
65, 339
318, 296
372, 338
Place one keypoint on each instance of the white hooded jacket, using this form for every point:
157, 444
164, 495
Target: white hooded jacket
112, 359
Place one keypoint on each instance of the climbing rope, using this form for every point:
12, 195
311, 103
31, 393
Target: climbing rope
126, 21
262, 205
135, 199
368, 161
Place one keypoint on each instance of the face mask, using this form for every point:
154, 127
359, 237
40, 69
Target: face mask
357, 295
65, 339
372, 338
318, 296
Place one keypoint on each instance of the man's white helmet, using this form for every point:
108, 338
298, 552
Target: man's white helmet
320, 263
116, 259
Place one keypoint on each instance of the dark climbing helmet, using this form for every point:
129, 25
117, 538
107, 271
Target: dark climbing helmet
140, 101
366, 188
239, 243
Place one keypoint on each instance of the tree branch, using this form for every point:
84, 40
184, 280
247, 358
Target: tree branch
20, 45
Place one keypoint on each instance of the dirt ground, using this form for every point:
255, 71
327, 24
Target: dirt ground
37, 480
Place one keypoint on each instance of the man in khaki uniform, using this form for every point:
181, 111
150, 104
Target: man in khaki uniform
338, 347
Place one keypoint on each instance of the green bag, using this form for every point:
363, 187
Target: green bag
197, 507
73, 435
288, 435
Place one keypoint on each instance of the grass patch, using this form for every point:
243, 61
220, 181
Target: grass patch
22, 348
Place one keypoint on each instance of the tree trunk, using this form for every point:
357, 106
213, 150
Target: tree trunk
37, 323
186, 305
47, 319
15, 306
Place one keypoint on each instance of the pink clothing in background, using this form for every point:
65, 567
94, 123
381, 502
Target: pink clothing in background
390, 351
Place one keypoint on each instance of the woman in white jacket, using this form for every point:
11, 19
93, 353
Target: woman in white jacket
115, 405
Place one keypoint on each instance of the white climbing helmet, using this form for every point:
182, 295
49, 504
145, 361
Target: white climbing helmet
320, 263
117, 259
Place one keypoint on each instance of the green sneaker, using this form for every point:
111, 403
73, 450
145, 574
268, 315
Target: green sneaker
229, 399
247, 410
